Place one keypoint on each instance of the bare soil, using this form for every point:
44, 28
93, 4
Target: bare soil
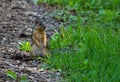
16, 17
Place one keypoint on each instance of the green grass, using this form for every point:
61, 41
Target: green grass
89, 49
102, 11
95, 57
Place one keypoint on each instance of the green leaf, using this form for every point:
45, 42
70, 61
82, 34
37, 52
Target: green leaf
23, 78
11, 74
25, 46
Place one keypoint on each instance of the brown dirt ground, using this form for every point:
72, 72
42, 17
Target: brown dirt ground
16, 16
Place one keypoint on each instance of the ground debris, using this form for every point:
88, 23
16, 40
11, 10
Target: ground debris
16, 16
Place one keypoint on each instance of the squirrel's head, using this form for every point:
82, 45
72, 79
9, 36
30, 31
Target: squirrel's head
40, 25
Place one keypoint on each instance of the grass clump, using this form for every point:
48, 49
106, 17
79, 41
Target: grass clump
92, 54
